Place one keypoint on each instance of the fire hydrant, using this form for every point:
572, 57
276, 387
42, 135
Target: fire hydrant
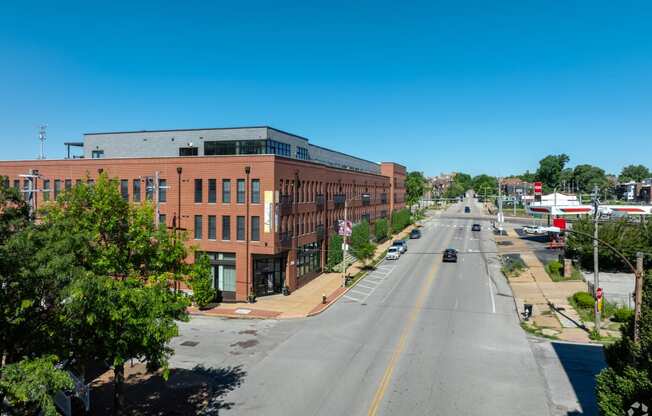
323, 298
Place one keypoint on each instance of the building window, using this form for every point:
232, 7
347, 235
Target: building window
97, 154
90, 182
308, 259
124, 189
16, 183
240, 228
226, 227
255, 228
46, 190
162, 190
241, 191
57, 188
226, 191
223, 271
149, 189
136, 190
212, 227
198, 231
5, 182
198, 190
212, 191
68, 184
162, 220
255, 191
188, 151
302, 153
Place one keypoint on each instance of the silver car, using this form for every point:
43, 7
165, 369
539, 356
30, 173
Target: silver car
393, 253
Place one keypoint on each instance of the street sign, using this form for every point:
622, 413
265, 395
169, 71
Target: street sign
344, 228
538, 188
598, 293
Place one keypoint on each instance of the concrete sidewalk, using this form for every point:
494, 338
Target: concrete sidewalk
535, 287
303, 302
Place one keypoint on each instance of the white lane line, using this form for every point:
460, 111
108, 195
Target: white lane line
491, 295
366, 287
359, 292
456, 303
352, 298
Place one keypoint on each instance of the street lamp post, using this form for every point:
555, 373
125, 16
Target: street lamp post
249, 282
179, 171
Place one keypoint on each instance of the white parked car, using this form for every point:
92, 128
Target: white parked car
535, 230
393, 253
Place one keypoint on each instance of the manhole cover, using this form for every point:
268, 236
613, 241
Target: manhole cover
189, 343
505, 243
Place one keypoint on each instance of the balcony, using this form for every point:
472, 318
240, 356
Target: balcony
339, 200
285, 205
320, 202
366, 200
320, 231
383, 198
285, 239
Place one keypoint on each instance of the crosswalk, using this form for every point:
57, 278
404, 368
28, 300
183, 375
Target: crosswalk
368, 285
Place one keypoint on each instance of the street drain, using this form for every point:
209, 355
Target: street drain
189, 343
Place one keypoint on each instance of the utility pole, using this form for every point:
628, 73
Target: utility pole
596, 273
344, 246
638, 296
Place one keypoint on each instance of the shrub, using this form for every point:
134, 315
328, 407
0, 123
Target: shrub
335, 254
381, 230
360, 245
202, 287
555, 267
400, 220
513, 266
584, 300
622, 314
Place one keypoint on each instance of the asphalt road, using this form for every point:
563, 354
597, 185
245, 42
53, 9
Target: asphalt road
417, 337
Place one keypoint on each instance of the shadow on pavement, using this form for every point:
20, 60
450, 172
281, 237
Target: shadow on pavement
186, 392
581, 364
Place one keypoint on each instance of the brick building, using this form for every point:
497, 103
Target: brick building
260, 202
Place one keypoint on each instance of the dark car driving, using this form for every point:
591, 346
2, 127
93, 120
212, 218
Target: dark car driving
467, 209
450, 256
475, 227
415, 234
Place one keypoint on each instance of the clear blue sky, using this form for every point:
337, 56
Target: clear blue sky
439, 86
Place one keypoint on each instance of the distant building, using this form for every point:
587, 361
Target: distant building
441, 183
635, 191
516, 187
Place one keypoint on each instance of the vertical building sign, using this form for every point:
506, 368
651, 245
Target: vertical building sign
269, 211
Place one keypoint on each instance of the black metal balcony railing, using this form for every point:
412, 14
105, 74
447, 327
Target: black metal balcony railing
366, 200
285, 204
339, 199
284, 238
320, 231
320, 201
383, 198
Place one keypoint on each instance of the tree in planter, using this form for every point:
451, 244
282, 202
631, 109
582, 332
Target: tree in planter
400, 220
335, 254
361, 247
415, 187
381, 230
200, 281
30, 385
628, 378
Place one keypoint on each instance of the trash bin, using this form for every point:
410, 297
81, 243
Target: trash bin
286, 291
527, 310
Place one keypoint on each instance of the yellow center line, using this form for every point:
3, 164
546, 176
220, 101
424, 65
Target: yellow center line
387, 376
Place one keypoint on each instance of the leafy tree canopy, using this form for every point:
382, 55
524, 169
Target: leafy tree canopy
550, 168
634, 173
415, 187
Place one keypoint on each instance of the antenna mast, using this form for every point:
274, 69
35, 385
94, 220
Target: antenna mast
42, 137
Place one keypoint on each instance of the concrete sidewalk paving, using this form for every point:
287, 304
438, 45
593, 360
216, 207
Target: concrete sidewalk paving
303, 302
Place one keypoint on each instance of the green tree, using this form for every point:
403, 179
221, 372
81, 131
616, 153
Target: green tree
361, 247
634, 173
621, 234
550, 168
381, 229
528, 176
29, 385
400, 220
201, 282
121, 291
628, 377
415, 187
587, 177
482, 182
335, 254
